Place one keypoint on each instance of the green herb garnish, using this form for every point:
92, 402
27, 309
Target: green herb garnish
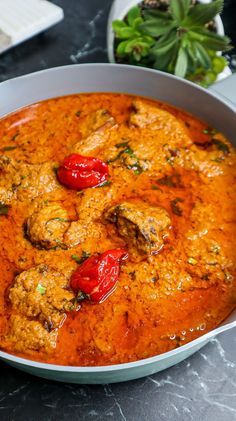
4, 209
105, 184
127, 150
221, 146
8, 148
41, 289
228, 276
60, 244
14, 137
122, 145
80, 259
210, 131
81, 296
219, 159
78, 113
192, 261
58, 219
136, 168
170, 180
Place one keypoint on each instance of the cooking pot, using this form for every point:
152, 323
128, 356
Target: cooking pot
216, 106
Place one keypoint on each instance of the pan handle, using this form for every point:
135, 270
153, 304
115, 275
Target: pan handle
226, 88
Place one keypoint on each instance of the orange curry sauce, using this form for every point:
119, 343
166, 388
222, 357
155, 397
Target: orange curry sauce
162, 300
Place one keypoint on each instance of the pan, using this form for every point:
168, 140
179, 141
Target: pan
216, 106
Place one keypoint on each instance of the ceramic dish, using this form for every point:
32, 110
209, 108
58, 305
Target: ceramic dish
217, 111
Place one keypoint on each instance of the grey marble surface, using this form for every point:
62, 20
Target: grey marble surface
201, 388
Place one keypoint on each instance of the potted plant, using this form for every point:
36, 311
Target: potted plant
182, 37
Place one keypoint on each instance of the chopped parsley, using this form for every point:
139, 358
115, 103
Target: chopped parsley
173, 180
192, 261
14, 137
3, 209
221, 146
41, 289
8, 148
81, 296
127, 150
58, 219
78, 113
209, 130
105, 184
60, 244
80, 259
135, 167
122, 145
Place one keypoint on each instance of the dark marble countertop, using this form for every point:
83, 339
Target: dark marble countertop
202, 387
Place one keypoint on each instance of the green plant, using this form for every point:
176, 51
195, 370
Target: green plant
176, 41
135, 42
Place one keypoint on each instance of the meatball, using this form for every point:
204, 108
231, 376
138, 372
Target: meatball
9, 179
37, 179
98, 121
41, 293
148, 116
90, 210
97, 133
29, 335
47, 225
142, 226
25, 181
79, 232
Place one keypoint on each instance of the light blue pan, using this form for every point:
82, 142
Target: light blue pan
218, 110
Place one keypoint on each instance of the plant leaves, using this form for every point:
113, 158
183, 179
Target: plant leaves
125, 33
138, 48
164, 49
162, 61
120, 50
179, 9
164, 44
117, 24
149, 40
137, 22
165, 39
201, 14
202, 56
133, 14
156, 27
192, 53
181, 63
209, 39
154, 13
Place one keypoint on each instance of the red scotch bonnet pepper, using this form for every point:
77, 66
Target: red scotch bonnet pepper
81, 172
98, 275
